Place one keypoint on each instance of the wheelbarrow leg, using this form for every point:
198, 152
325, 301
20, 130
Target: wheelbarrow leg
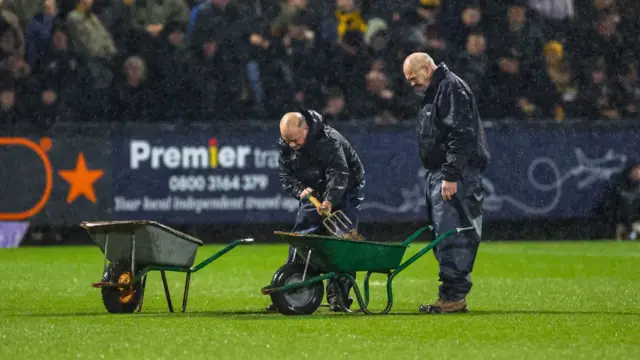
186, 292
144, 287
366, 287
106, 248
166, 290
364, 303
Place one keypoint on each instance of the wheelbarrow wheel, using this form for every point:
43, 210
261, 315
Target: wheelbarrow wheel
121, 300
301, 301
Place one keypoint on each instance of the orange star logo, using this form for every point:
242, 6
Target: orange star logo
81, 180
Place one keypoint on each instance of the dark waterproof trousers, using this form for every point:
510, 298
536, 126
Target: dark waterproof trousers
457, 253
308, 221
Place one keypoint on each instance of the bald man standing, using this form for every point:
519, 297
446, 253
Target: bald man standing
454, 151
316, 159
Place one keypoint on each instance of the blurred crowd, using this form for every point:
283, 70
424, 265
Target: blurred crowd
229, 60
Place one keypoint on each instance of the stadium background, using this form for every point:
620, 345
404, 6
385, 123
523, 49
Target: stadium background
94, 85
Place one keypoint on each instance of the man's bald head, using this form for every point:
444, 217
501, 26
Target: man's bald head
292, 119
294, 129
417, 60
418, 69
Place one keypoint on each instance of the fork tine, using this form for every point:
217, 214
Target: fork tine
338, 223
345, 227
332, 226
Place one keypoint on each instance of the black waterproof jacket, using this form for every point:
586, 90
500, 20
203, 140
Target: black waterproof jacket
327, 163
451, 136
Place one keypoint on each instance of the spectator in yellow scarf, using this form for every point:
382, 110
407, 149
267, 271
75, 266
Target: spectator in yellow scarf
348, 16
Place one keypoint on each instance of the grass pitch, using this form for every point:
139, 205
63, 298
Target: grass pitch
566, 300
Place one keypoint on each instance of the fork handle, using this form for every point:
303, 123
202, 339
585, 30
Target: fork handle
317, 204
314, 201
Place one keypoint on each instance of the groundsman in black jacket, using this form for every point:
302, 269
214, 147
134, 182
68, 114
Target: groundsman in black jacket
314, 156
454, 151
316, 159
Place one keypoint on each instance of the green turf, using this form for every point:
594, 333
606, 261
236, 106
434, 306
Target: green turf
530, 301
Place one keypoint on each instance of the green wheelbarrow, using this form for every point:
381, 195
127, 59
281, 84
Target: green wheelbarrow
297, 288
135, 248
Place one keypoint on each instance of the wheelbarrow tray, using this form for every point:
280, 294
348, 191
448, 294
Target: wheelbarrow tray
334, 254
154, 243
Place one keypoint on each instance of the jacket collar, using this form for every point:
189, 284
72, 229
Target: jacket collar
315, 122
439, 74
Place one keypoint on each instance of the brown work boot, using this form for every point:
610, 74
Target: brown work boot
445, 306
